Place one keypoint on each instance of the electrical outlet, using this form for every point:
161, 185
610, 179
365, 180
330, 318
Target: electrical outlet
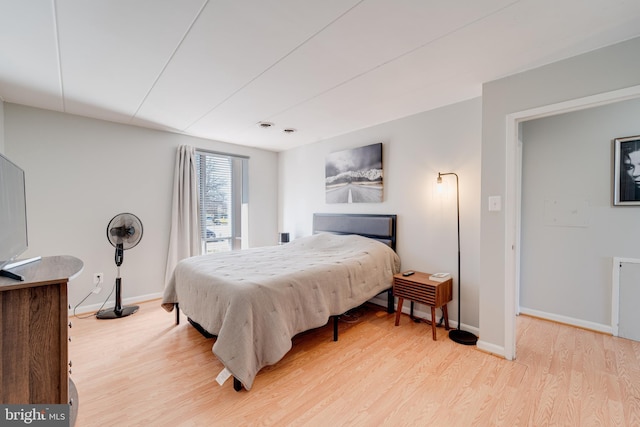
96, 290
98, 278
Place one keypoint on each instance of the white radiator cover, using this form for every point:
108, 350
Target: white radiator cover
625, 317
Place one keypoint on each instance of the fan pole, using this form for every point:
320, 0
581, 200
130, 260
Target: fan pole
118, 307
118, 310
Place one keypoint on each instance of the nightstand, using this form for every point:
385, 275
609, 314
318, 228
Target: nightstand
418, 288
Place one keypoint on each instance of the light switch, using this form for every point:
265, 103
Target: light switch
495, 203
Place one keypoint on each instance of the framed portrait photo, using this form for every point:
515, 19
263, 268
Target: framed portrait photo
626, 171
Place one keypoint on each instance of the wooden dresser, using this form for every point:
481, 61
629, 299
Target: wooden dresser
34, 333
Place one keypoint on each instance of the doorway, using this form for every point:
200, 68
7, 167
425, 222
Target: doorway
514, 191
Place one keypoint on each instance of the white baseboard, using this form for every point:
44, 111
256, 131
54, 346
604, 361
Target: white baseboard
585, 324
84, 309
491, 348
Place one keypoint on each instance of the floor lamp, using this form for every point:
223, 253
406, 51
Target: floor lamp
458, 335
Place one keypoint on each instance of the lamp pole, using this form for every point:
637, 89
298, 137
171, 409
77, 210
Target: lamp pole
458, 335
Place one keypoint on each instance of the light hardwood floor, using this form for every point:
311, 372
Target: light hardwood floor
143, 370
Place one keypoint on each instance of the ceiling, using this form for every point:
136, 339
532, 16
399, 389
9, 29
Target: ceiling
217, 68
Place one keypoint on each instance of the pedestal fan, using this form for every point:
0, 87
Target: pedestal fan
123, 232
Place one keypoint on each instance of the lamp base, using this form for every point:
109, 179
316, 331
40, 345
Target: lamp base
462, 337
114, 313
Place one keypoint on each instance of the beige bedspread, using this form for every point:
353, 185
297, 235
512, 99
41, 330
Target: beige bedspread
256, 300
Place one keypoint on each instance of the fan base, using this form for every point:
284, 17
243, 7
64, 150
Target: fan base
116, 314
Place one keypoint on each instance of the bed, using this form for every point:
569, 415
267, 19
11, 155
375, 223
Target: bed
256, 300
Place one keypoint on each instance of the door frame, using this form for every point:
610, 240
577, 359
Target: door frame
513, 194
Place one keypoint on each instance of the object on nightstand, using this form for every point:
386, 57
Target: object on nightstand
440, 277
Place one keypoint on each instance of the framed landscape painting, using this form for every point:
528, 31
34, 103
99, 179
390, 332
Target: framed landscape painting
355, 175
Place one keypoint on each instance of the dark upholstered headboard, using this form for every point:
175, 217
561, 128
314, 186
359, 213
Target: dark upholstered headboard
378, 227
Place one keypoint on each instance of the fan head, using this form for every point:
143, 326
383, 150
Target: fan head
124, 230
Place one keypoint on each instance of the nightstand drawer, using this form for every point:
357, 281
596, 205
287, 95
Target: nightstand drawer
419, 288
415, 291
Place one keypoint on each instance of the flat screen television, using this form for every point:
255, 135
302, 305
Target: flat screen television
13, 212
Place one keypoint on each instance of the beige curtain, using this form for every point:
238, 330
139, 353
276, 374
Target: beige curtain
184, 240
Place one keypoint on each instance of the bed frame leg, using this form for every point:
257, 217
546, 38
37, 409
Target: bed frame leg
390, 301
335, 328
237, 385
177, 307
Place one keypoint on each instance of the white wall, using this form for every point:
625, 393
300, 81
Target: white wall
597, 72
570, 229
415, 149
81, 172
1, 126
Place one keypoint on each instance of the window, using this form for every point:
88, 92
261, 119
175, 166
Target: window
222, 187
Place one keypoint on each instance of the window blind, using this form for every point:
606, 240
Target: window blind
221, 188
